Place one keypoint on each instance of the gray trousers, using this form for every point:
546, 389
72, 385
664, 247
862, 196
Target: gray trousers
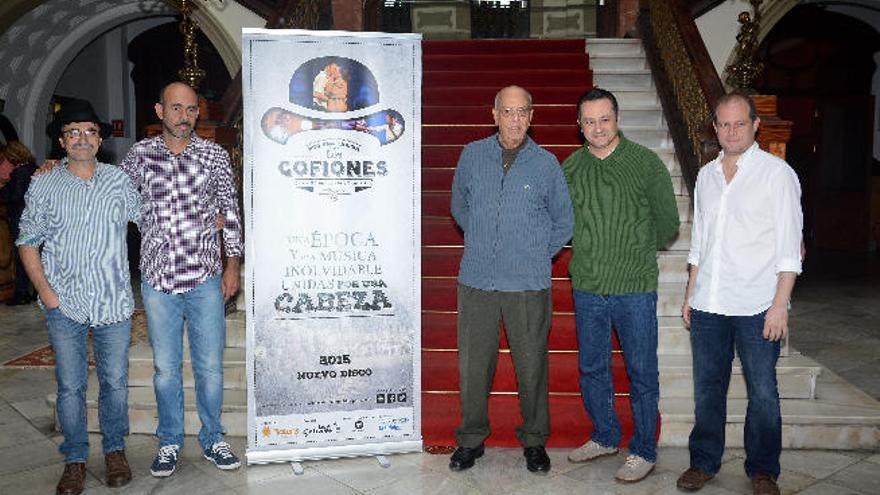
526, 318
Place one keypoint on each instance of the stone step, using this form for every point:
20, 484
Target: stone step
634, 96
672, 336
667, 156
615, 80
670, 297
140, 366
642, 116
796, 377
679, 187
673, 266
235, 327
841, 417
685, 211
648, 136
617, 61
796, 374
682, 241
143, 418
614, 46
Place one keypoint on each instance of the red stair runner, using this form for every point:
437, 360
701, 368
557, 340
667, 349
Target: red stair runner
459, 85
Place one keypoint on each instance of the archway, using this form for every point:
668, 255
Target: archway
38, 48
820, 64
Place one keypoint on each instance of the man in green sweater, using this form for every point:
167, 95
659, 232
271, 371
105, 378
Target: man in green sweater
625, 211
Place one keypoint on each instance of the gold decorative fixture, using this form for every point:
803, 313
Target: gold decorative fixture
302, 14
191, 73
741, 74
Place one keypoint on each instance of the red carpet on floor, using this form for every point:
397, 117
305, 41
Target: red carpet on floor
459, 85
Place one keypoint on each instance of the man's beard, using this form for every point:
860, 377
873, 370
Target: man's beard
278, 134
185, 134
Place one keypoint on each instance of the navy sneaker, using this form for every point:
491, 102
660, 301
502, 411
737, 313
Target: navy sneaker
165, 462
221, 455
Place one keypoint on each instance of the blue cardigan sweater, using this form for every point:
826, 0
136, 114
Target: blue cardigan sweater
513, 223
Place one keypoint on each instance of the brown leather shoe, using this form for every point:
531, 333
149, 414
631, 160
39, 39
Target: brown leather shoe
764, 484
73, 479
692, 480
118, 472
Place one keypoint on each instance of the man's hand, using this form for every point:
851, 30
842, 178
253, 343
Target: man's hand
686, 314
776, 323
50, 299
231, 278
46, 167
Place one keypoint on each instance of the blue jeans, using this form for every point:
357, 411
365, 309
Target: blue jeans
110, 346
634, 316
713, 338
203, 310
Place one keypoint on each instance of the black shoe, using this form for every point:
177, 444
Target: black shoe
537, 460
464, 457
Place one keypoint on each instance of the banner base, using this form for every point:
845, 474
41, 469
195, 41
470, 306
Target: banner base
341, 452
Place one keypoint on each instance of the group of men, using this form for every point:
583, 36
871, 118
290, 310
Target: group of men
517, 207
614, 199
179, 189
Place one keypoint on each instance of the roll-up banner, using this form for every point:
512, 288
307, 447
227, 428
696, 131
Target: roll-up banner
332, 178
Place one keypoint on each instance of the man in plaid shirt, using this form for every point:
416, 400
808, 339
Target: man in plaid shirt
185, 182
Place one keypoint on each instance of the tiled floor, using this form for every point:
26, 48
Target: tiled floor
835, 319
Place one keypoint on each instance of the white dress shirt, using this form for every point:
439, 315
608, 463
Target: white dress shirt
744, 233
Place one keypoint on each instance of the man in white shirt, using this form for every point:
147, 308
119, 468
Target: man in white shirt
744, 257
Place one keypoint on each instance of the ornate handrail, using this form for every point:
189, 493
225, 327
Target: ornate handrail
686, 81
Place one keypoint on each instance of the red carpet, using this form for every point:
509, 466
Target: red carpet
459, 86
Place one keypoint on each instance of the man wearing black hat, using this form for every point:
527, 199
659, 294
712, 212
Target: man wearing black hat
78, 213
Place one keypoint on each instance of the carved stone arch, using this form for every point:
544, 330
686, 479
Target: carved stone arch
40, 45
228, 48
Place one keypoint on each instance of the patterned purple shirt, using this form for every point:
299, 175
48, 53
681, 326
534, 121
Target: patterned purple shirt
182, 195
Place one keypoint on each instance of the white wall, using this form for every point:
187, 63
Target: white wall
222, 24
719, 28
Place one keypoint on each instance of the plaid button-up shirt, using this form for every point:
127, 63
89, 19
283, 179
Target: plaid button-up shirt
182, 195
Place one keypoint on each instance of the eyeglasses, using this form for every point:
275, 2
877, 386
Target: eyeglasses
509, 113
77, 133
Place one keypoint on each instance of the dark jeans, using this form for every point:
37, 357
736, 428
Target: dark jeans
527, 325
635, 318
713, 338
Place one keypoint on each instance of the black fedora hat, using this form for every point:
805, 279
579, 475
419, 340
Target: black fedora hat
76, 111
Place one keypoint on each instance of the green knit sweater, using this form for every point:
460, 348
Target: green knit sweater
624, 210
